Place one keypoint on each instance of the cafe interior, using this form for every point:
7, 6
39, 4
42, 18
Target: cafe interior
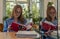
33, 10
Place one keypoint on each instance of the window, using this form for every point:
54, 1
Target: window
10, 4
9, 7
34, 13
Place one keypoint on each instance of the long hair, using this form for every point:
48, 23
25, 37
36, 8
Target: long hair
48, 9
20, 18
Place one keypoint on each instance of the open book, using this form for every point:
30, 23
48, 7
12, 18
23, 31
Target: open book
16, 27
48, 25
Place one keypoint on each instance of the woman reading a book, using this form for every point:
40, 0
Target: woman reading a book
16, 21
49, 24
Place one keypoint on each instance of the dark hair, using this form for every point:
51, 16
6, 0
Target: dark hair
48, 9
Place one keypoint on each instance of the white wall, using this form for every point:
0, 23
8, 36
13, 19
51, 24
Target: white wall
1, 11
59, 12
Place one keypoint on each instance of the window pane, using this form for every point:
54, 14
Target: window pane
35, 11
9, 6
22, 0
35, 0
10, 0
25, 9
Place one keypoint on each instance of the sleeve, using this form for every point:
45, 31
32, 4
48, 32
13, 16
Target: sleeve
41, 23
40, 26
5, 26
25, 21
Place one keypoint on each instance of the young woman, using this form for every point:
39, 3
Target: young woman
16, 17
51, 18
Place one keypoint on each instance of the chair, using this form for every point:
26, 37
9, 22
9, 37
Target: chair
1, 27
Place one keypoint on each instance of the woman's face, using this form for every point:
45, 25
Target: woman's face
52, 13
17, 13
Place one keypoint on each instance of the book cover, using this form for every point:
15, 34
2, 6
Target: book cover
15, 27
48, 25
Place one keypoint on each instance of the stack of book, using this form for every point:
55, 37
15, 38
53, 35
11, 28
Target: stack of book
27, 34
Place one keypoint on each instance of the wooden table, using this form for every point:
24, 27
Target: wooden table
10, 35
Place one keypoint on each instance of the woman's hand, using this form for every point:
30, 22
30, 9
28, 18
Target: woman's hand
28, 27
21, 24
9, 27
48, 32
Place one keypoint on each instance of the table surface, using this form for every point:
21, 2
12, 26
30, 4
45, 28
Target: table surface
10, 35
